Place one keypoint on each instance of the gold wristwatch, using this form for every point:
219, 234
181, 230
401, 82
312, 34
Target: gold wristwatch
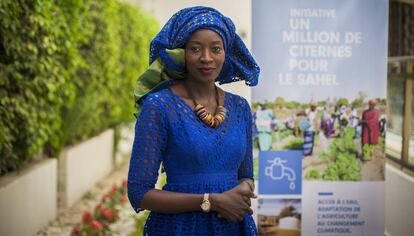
205, 204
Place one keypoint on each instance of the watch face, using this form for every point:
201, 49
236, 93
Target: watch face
205, 206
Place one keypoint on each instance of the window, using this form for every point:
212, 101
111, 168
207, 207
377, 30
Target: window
400, 99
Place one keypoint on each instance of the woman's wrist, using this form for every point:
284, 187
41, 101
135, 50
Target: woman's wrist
215, 201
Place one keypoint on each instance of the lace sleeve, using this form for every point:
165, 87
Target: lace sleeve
246, 167
147, 151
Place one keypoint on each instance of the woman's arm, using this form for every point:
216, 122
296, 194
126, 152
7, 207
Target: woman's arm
246, 168
231, 204
171, 202
147, 151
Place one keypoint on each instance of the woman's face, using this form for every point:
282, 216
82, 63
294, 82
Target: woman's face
204, 55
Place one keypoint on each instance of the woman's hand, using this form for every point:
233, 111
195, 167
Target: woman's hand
246, 187
234, 203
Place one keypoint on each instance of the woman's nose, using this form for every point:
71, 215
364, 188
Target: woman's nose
206, 56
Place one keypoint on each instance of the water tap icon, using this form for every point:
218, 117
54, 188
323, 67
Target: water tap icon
277, 171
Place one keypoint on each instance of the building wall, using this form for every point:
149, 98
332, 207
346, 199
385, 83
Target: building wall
399, 209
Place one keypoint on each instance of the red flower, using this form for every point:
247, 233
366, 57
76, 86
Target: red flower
76, 230
98, 211
86, 217
124, 186
123, 199
108, 214
124, 183
105, 198
114, 188
96, 225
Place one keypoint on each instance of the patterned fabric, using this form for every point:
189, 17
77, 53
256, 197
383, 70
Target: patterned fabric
370, 126
213, 162
158, 76
238, 65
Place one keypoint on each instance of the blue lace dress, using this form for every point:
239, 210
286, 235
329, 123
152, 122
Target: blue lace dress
196, 158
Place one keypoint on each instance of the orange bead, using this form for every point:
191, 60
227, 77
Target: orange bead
211, 120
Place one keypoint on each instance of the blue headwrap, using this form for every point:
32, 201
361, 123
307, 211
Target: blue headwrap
167, 54
239, 63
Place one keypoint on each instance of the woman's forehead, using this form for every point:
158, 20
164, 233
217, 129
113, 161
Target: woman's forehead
205, 36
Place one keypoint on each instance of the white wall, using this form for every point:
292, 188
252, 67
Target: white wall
399, 205
126, 139
28, 198
238, 10
83, 165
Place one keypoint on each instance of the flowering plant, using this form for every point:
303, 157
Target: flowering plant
105, 213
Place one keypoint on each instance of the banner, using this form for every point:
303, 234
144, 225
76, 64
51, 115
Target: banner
319, 116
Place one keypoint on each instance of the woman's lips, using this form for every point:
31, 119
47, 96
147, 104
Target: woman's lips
206, 71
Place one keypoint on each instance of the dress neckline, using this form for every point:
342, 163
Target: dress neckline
191, 109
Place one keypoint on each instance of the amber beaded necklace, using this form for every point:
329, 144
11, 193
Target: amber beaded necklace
211, 120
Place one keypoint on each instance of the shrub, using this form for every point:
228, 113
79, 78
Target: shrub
368, 151
36, 63
313, 174
285, 133
67, 72
294, 144
342, 152
346, 167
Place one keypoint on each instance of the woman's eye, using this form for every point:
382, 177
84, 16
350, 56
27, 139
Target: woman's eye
216, 49
195, 49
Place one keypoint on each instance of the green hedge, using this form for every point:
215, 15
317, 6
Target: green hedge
67, 72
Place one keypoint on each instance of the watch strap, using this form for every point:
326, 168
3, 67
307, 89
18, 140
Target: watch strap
206, 202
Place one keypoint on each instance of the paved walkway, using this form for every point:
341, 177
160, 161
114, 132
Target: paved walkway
67, 218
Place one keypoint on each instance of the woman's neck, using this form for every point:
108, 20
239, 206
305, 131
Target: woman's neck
201, 92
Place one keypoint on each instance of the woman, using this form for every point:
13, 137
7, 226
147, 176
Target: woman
370, 124
264, 119
200, 134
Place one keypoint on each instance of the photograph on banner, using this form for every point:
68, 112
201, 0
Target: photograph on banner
279, 217
317, 93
